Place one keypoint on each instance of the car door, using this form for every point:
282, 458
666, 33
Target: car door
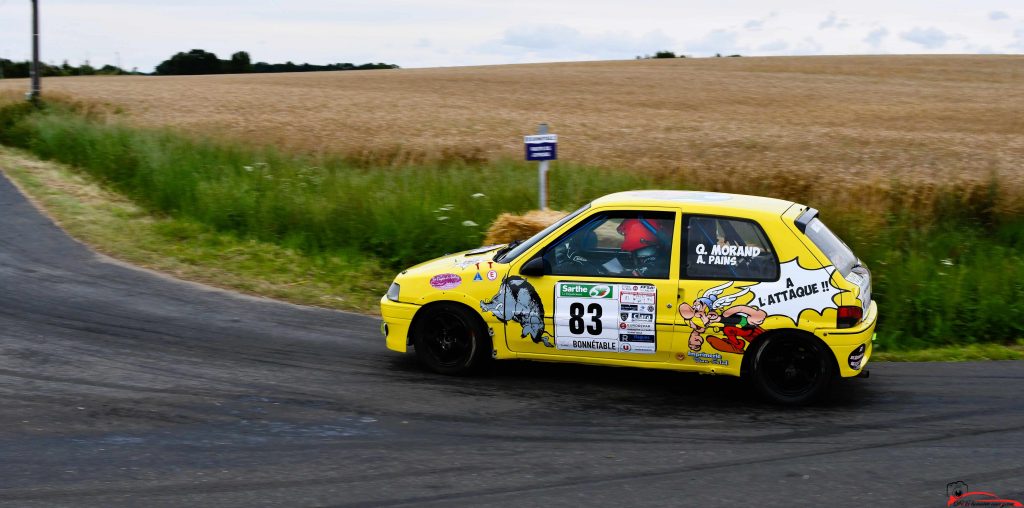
722, 258
608, 288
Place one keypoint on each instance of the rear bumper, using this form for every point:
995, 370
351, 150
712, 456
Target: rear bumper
397, 319
852, 346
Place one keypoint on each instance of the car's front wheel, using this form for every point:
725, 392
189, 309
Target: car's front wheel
450, 339
792, 368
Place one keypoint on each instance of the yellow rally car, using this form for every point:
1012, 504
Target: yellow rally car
693, 281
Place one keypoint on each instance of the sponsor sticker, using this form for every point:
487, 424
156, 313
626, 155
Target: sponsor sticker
492, 275
590, 345
639, 347
708, 358
637, 327
577, 290
466, 263
605, 317
856, 356
633, 337
477, 277
445, 281
637, 297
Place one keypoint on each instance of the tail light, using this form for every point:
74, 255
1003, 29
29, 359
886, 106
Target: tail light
848, 316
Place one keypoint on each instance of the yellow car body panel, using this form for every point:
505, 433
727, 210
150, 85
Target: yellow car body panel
678, 321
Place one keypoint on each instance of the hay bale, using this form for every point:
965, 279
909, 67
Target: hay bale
508, 227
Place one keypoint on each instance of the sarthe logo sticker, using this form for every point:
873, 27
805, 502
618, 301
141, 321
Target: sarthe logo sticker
960, 495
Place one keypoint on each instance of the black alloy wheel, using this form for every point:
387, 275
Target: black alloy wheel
449, 339
793, 369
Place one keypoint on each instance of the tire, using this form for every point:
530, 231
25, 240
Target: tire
792, 369
450, 339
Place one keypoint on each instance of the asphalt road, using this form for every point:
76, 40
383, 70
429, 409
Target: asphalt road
120, 387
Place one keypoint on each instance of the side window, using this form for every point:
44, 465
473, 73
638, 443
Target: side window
614, 244
733, 249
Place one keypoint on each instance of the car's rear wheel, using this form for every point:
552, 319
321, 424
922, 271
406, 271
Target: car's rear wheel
450, 339
792, 369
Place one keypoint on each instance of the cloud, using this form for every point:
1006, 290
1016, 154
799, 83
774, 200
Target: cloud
833, 21
718, 41
998, 15
807, 46
757, 24
930, 38
560, 41
1018, 44
773, 46
874, 38
541, 37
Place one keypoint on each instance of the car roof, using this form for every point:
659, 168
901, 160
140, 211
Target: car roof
699, 201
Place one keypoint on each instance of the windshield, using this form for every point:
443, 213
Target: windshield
837, 251
516, 251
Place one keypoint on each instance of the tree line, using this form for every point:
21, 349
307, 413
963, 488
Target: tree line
672, 54
12, 69
198, 61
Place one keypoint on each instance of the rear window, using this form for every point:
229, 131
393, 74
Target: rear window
837, 252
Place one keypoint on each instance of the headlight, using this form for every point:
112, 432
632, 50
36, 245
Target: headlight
393, 292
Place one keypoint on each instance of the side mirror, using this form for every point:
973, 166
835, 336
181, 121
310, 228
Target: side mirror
533, 268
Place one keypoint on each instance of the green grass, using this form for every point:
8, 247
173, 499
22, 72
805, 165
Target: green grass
947, 284
184, 248
397, 214
964, 353
947, 275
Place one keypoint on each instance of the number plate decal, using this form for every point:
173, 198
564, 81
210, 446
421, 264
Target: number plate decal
611, 318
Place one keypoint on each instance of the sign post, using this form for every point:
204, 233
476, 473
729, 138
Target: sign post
542, 147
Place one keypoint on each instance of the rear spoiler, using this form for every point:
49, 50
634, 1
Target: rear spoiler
805, 218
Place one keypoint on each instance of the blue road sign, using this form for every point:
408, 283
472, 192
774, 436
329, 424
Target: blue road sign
541, 147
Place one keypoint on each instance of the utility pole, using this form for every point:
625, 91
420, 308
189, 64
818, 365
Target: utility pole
33, 94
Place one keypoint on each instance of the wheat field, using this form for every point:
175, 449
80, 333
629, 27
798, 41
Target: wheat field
774, 125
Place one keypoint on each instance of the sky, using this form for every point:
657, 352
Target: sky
441, 33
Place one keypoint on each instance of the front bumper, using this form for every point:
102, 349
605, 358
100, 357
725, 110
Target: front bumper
845, 342
397, 319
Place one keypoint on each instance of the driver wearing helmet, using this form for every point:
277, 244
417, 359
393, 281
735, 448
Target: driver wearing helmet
647, 241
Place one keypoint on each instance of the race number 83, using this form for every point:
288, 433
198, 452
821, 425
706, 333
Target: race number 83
577, 313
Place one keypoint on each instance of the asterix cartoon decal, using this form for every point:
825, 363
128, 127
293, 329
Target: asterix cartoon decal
740, 323
518, 301
797, 290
